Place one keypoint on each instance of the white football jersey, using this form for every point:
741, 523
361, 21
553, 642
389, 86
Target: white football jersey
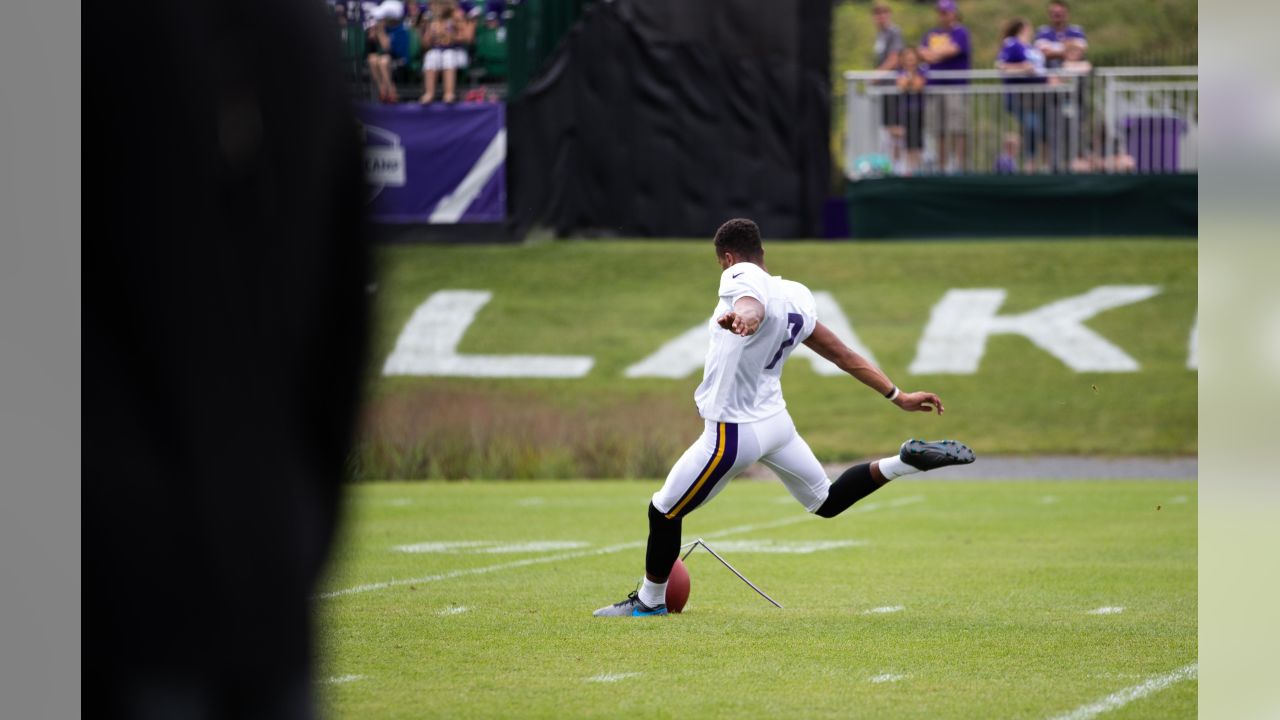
742, 377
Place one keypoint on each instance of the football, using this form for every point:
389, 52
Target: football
677, 587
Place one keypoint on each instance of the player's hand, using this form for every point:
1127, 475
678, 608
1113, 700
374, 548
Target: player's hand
919, 402
737, 324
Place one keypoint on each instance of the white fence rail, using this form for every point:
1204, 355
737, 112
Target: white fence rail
1108, 120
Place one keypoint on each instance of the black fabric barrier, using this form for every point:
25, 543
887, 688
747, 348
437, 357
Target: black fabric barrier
667, 117
1025, 205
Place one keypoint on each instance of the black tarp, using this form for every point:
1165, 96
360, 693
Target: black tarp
1023, 206
667, 117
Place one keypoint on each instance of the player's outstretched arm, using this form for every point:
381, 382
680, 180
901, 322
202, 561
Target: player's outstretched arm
745, 318
825, 343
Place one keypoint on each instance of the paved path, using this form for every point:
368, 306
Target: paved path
1048, 467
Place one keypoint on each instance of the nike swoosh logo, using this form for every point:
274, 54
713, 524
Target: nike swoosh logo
735, 277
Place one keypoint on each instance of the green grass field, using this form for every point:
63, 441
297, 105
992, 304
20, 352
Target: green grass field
990, 585
620, 301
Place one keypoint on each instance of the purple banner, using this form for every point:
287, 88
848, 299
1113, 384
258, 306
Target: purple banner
435, 163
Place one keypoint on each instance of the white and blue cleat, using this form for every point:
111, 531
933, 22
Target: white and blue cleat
631, 607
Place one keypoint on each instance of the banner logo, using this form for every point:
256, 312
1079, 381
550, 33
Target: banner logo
384, 164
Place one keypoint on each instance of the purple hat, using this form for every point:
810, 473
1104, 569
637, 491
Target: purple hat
946, 6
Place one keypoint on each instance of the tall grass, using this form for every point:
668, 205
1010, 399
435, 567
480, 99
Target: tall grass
449, 434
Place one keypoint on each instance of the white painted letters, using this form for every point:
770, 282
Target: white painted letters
956, 336
428, 345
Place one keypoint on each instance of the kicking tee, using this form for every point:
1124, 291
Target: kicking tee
742, 377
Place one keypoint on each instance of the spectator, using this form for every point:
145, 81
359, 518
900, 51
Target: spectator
888, 45
1064, 46
911, 82
414, 19
1108, 155
947, 47
378, 40
1058, 37
1023, 64
1007, 162
445, 40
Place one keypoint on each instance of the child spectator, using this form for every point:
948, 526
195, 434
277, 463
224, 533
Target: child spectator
1007, 162
911, 82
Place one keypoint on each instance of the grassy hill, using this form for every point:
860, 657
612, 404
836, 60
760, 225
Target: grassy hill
620, 301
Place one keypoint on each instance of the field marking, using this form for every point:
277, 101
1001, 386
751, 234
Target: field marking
606, 550
1178, 500
531, 502
1108, 610
340, 679
865, 507
801, 547
1120, 698
884, 610
613, 677
490, 547
453, 610
1048, 500
887, 677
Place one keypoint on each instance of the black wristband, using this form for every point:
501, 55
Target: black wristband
893, 393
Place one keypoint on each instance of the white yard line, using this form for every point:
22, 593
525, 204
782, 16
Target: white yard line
606, 550
369, 587
887, 677
1120, 698
883, 610
1109, 610
453, 610
613, 677
340, 679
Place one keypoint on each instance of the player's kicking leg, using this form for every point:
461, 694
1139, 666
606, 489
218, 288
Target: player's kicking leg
913, 456
805, 479
723, 451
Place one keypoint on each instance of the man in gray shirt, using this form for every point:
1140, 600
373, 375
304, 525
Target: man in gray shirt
888, 45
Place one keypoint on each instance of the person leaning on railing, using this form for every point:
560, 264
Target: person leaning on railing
888, 46
947, 47
1023, 64
1064, 46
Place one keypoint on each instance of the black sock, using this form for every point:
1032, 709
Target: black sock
852, 485
664, 544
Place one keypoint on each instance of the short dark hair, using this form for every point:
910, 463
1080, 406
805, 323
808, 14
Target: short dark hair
1013, 27
741, 237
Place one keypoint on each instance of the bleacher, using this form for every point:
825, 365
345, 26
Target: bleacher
486, 71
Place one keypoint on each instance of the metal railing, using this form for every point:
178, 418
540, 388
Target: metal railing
1105, 120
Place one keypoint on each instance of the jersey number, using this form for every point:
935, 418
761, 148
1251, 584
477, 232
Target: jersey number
795, 321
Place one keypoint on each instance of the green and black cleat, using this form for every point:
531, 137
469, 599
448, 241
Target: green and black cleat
925, 455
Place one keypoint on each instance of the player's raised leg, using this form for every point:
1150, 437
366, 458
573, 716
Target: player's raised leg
914, 456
